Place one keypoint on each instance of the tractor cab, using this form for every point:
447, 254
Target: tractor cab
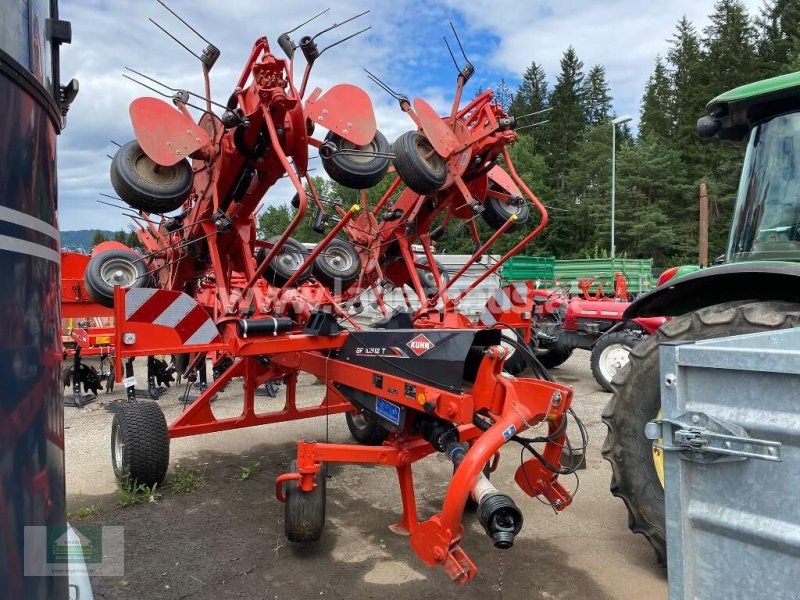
764, 116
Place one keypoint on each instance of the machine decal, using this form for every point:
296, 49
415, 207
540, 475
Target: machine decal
420, 345
387, 410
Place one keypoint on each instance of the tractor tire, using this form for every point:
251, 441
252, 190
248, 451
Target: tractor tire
357, 168
304, 512
114, 267
139, 444
146, 186
554, 356
609, 354
637, 400
417, 163
338, 266
496, 213
285, 263
366, 428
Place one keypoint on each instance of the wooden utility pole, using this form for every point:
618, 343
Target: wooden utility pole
703, 236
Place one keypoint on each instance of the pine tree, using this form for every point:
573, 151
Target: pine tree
656, 116
730, 47
531, 94
503, 95
597, 96
98, 237
778, 45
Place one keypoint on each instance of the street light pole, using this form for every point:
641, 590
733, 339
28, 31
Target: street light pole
614, 123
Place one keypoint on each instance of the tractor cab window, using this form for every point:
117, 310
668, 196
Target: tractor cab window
766, 224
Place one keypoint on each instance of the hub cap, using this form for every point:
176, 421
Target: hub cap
119, 448
338, 258
119, 271
613, 358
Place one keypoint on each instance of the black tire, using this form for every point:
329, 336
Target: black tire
139, 444
146, 186
417, 164
114, 267
338, 266
610, 354
637, 400
429, 283
357, 168
304, 512
365, 428
554, 355
284, 265
496, 213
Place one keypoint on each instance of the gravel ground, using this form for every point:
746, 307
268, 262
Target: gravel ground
225, 539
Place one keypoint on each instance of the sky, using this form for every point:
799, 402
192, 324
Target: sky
404, 47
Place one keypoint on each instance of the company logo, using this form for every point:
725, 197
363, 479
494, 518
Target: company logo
420, 345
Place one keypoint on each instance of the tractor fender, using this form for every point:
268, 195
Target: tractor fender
762, 281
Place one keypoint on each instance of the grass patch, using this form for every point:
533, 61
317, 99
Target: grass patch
82, 513
249, 470
136, 494
187, 481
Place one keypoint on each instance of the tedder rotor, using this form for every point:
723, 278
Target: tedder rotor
418, 381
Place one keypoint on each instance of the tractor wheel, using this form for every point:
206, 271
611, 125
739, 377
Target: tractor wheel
304, 516
338, 266
366, 428
638, 467
417, 163
496, 213
283, 266
610, 354
426, 278
553, 356
147, 186
105, 270
357, 168
139, 444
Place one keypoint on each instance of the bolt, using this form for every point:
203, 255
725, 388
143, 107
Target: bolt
556, 398
198, 140
118, 275
319, 118
324, 111
438, 554
670, 379
727, 444
188, 132
771, 451
178, 152
557, 504
345, 131
695, 418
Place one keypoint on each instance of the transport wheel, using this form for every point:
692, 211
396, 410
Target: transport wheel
554, 355
147, 186
291, 256
304, 516
417, 163
426, 277
357, 168
338, 266
105, 270
496, 213
366, 428
139, 444
609, 355
637, 400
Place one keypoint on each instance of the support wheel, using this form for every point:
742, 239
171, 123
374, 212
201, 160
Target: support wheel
637, 400
147, 186
290, 258
139, 444
357, 168
609, 355
366, 428
496, 212
338, 266
105, 270
426, 277
304, 516
417, 163
554, 355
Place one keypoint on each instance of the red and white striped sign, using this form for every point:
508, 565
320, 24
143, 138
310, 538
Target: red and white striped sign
171, 309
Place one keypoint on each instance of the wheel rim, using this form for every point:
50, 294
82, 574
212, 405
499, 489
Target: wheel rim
658, 456
359, 420
290, 259
119, 449
149, 171
428, 155
361, 155
119, 271
338, 258
612, 359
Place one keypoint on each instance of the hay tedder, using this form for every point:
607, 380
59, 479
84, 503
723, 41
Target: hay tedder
419, 380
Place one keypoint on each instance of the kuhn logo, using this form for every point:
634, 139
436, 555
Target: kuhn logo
420, 345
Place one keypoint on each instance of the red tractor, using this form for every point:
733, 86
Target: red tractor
418, 382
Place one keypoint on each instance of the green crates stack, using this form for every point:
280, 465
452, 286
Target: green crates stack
530, 268
638, 272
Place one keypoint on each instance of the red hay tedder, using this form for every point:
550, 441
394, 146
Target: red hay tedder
417, 381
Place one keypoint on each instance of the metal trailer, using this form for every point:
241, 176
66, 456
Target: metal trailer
731, 436
31, 417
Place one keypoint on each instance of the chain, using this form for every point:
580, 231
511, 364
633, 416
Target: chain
500, 575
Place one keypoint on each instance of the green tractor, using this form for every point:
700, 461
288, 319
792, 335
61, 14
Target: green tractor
757, 288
